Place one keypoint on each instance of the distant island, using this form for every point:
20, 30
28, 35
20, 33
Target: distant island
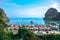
52, 14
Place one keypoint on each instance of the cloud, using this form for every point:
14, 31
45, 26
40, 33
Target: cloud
13, 5
55, 5
15, 10
11, 9
34, 12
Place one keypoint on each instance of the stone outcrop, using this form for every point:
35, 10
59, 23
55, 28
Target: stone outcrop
3, 15
52, 14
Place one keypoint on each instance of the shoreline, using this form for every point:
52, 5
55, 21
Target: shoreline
51, 28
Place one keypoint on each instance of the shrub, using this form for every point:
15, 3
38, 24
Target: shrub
50, 37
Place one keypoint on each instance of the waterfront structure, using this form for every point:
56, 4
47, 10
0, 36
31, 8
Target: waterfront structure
39, 30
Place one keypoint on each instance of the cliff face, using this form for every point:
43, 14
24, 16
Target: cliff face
52, 14
3, 15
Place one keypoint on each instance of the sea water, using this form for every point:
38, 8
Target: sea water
26, 21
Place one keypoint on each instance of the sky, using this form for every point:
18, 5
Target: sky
28, 8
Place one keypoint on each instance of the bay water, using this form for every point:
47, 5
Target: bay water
26, 21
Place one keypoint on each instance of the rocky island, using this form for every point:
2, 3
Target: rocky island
52, 14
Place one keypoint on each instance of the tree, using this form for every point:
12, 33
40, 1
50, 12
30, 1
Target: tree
50, 37
3, 24
26, 34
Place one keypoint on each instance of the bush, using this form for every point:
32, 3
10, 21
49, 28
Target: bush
26, 34
50, 37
